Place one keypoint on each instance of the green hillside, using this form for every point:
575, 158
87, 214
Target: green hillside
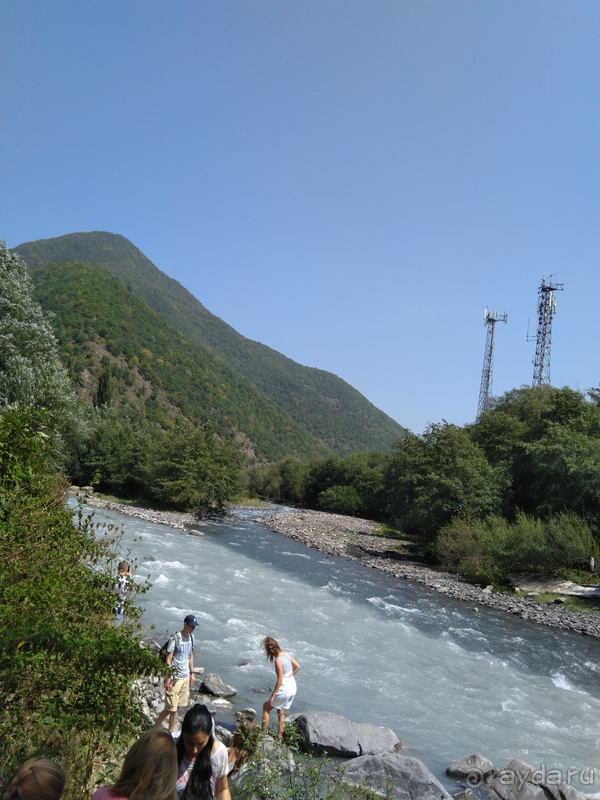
98, 319
328, 407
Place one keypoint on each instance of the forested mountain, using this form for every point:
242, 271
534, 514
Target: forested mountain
99, 322
328, 407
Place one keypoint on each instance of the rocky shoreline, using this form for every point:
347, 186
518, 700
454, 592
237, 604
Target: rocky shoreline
171, 518
372, 754
355, 539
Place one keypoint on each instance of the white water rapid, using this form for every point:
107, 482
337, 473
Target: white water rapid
448, 680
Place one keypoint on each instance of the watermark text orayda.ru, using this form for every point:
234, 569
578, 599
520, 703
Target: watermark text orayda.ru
516, 778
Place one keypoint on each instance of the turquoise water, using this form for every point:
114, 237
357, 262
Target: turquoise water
450, 682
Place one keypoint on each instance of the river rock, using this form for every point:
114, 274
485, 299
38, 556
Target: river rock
246, 713
472, 768
213, 685
324, 732
223, 734
520, 781
196, 533
408, 777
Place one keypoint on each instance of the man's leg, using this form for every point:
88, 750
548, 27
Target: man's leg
172, 721
162, 717
171, 706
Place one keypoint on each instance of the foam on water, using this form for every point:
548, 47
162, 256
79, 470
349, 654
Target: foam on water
448, 681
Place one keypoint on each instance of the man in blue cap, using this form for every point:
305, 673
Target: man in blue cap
180, 656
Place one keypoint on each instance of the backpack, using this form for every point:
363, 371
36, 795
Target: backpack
163, 652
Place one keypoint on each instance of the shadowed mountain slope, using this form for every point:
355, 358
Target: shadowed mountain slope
99, 321
328, 407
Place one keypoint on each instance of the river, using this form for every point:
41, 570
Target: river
449, 680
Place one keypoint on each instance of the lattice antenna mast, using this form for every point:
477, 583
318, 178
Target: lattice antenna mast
487, 374
543, 339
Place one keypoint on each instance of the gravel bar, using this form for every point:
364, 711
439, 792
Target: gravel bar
355, 539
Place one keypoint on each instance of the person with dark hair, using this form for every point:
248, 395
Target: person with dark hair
202, 759
149, 771
36, 779
284, 692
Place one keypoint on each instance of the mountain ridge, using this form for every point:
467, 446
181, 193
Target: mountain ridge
326, 405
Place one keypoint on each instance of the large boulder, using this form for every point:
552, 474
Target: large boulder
520, 781
212, 684
408, 778
327, 733
473, 769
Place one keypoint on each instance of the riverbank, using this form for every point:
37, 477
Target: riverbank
355, 539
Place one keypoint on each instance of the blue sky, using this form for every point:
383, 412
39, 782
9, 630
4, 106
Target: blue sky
350, 183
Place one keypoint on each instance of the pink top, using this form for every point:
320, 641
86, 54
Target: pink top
105, 794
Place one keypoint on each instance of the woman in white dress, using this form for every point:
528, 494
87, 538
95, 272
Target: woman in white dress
202, 759
284, 692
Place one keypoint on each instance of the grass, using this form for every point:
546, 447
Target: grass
251, 502
591, 604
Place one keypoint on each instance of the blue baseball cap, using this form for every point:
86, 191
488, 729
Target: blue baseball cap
191, 620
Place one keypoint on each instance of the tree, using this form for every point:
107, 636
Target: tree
104, 390
562, 475
545, 441
341, 500
194, 470
434, 477
117, 453
31, 373
293, 474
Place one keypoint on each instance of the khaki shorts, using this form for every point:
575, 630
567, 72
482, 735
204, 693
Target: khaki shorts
179, 694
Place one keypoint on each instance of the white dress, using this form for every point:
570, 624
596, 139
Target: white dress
287, 691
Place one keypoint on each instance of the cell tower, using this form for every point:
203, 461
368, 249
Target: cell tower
543, 339
485, 390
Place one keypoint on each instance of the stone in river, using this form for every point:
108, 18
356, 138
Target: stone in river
324, 732
520, 781
213, 685
472, 768
408, 777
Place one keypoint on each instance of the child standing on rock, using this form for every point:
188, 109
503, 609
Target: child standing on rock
284, 692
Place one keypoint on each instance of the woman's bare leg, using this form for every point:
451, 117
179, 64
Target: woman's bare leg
281, 715
267, 708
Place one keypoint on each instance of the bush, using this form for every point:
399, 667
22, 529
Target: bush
65, 672
495, 549
340, 500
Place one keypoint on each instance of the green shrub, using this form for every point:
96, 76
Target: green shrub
340, 500
495, 549
65, 671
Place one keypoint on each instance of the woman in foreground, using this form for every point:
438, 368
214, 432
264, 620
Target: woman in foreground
149, 771
284, 692
202, 760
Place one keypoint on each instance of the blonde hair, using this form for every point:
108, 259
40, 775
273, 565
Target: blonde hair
271, 647
36, 779
149, 769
